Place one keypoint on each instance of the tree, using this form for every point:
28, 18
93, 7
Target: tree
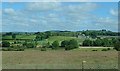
48, 34
72, 44
64, 43
87, 42
29, 44
13, 36
107, 42
5, 44
117, 46
97, 42
55, 44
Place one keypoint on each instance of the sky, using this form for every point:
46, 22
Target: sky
71, 16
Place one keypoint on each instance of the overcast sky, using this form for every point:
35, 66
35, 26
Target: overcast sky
72, 16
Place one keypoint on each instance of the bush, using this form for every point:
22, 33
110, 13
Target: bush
72, 44
117, 46
94, 50
87, 42
43, 49
108, 49
29, 45
104, 50
55, 44
5, 44
13, 48
64, 43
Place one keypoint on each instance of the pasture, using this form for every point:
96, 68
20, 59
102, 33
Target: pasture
59, 59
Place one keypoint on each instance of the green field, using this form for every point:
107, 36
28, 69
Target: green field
34, 58
51, 39
59, 59
59, 39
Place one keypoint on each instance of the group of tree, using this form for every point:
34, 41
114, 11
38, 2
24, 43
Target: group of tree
95, 33
42, 35
65, 44
31, 44
69, 44
5, 44
105, 42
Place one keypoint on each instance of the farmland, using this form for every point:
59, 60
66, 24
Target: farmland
59, 59
58, 50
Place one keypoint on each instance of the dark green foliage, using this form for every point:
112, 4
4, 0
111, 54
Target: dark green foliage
97, 42
29, 44
43, 48
55, 45
48, 45
14, 48
106, 42
42, 36
13, 36
87, 42
64, 43
95, 33
72, 44
117, 46
94, 50
5, 44
48, 34
108, 49
104, 49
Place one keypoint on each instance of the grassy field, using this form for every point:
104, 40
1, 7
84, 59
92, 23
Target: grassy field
51, 39
60, 38
59, 59
20, 37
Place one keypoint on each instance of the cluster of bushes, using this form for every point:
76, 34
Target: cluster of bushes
42, 35
66, 44
29, 44
99, 42
106, 49
117, 46
18, 47
14, 48
5, 44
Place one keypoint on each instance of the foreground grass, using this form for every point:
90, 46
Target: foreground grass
59, 59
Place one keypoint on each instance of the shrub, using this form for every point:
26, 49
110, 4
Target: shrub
117, 46
94, 50
29, 45
5, 44
108, 49
64, 43
55, 44
43, 49
72, 44
13, 49
87, 42
104, 50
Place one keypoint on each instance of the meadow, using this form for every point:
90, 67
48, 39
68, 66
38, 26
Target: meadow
59, 59
96, 57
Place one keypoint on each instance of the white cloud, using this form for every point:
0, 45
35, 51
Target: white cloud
43, 6
53, 15
9, 11
85, 7
114, 12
